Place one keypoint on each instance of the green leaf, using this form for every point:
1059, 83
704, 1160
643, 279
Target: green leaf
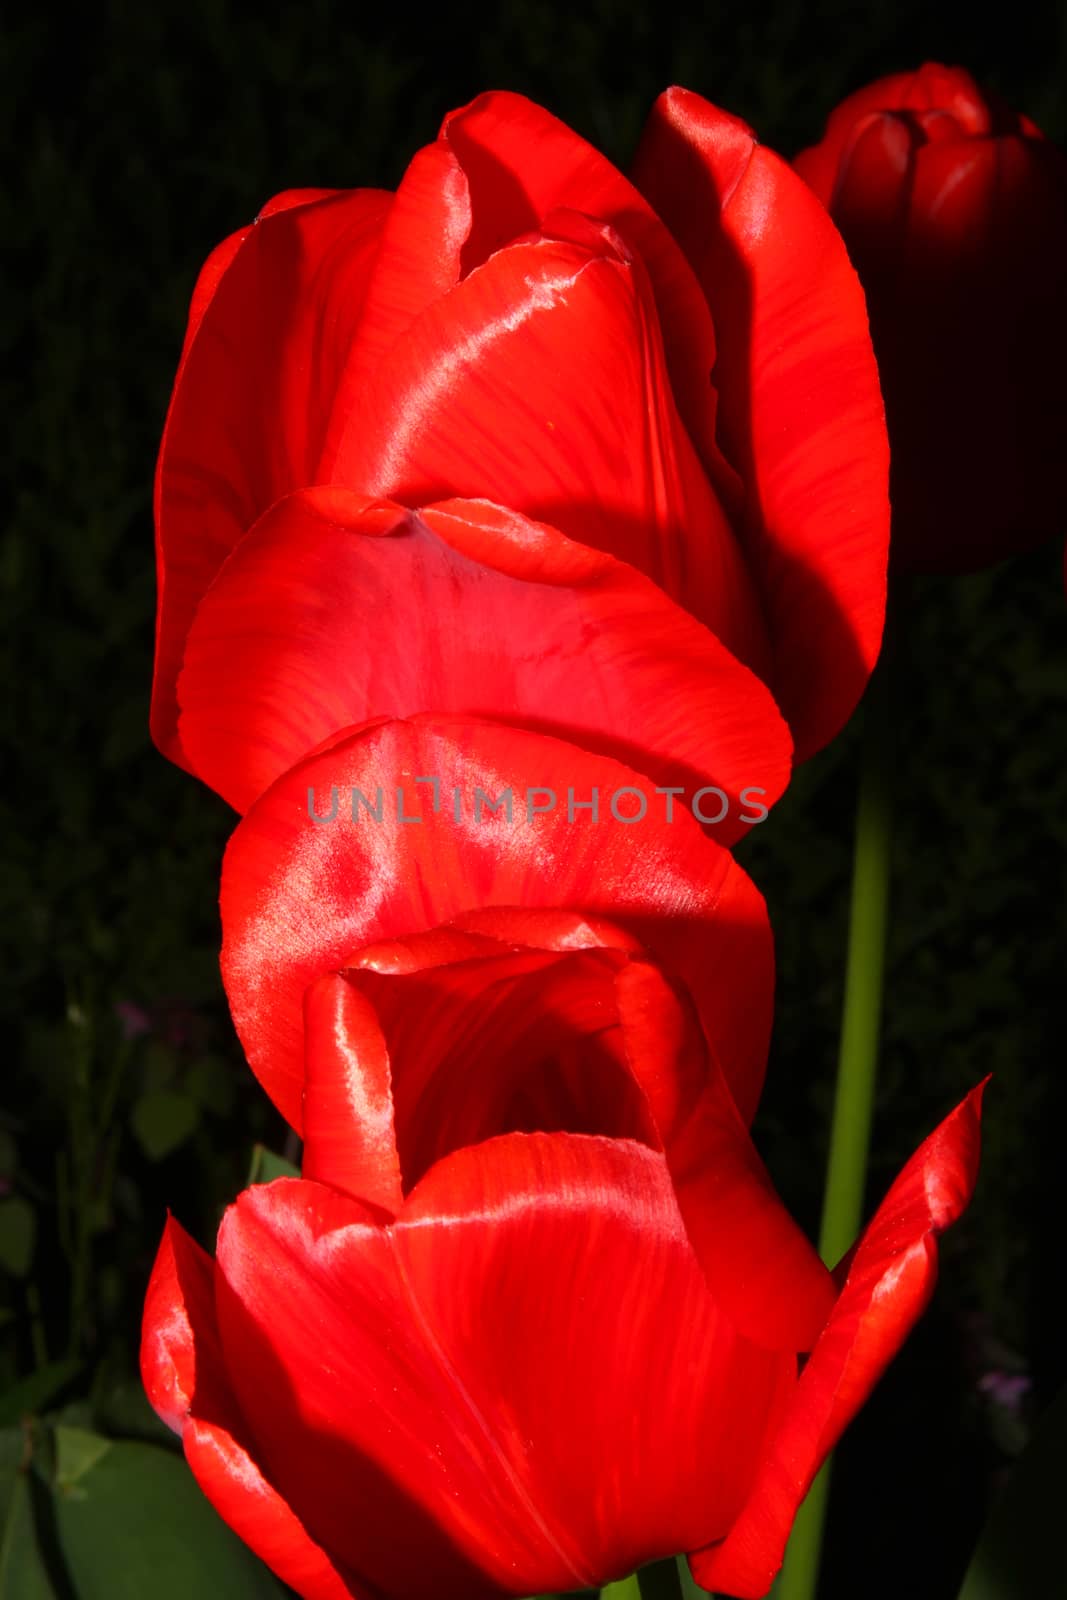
18, 1231
23, 1572
29, 1397
688, 1587
266, 1166
162, 1120
77, 1453
131, 1522
1022, 1554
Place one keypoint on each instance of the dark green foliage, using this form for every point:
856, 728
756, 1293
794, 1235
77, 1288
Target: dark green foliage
85, 1517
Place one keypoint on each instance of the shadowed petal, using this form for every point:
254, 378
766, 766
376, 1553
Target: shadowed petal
800, 407
514, 1041
761, 1267
889, 1281
185, 1379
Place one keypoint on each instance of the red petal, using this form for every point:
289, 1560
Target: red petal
182, 1368
258, 687
522, 1384
540, 383
951, 204
300, 900
272, 317
349, 1140
987, 220
874, 184
474, 610
512, 1040
932, 89
289, 198
953, 199
800, 407
257, 1514
179, 1325
760, 1266
544, 929
418, 260
437, 948
521, 164
517, 1041
735, 959
890, 1280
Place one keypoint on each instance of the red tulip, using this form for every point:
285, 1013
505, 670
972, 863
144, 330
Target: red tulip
954, 210
473, 1351
517, 325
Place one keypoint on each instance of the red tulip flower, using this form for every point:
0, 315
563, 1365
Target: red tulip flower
954, 210
677, 376
532, 1315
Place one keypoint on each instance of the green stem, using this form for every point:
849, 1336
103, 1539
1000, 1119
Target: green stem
625, 1589
86, 1174
857, 1066
660, 1581
687, 1587
38, 1340
800, 1574
861, 1020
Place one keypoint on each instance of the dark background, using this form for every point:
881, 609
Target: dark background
139, 136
